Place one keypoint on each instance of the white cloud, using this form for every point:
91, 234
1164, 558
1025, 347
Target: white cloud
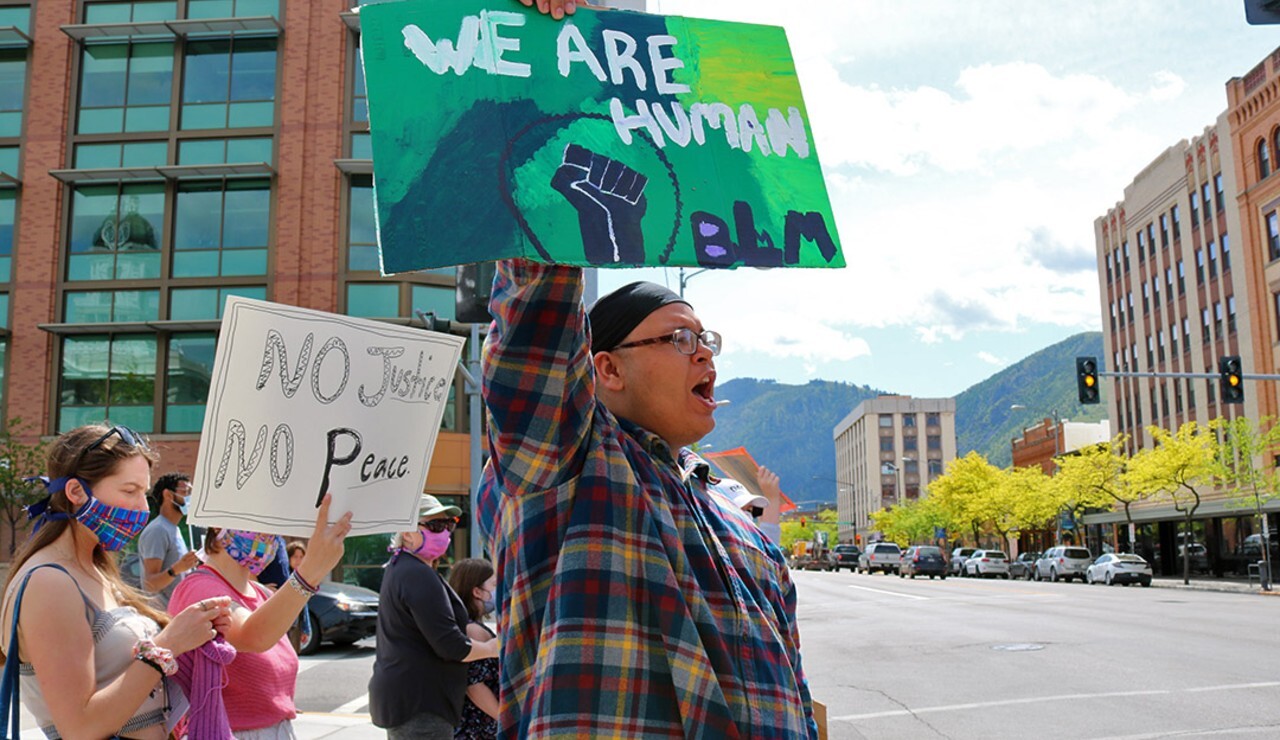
991, 359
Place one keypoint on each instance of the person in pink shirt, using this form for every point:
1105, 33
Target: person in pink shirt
261, 680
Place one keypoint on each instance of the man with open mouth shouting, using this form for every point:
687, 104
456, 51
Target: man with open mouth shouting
636, 602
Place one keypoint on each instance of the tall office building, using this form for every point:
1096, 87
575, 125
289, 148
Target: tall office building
1253, 113
887, 451
1173, 286
157, 156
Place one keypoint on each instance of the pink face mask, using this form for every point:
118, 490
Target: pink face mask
434, 544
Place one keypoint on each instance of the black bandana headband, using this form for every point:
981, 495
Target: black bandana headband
614, 316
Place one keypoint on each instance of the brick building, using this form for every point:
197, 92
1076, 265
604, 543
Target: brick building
157, 156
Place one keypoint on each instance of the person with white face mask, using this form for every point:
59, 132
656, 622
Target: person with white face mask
475, 581
420, 665
165, 555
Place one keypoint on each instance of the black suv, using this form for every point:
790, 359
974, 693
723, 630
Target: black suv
925, 560
846, 556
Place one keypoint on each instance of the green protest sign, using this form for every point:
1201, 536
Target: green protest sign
610, 138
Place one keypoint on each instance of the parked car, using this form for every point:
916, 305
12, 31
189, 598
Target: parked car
1063, 562
1111, 568
1198, 554
987, 564
339, 613
925, 560
885, 557
847, 557
958, 556
1022, 566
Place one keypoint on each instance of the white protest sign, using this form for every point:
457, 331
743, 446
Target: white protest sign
304, 401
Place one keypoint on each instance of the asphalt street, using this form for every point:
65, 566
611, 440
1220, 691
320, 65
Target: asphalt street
968, 658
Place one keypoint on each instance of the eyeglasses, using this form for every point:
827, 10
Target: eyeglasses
127, 435
440, 525
685, 340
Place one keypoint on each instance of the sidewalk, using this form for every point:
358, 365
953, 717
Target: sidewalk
313, 725
1209, 583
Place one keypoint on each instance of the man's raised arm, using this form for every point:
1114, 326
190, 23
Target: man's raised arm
538, 383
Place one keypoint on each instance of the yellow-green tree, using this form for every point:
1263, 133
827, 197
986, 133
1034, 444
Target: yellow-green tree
1243, 451
912, 522
823, 521
1027, 501
959, 493
1095, 475
1177, 466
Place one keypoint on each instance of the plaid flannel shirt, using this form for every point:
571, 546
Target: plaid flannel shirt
636, 602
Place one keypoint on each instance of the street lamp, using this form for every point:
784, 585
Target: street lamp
854, 498
897, 469
684, 279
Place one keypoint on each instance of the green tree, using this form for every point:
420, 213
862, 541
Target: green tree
1095, 474
824, 521
959, 492
910, 523
1179, 464
20, 457
1242, 453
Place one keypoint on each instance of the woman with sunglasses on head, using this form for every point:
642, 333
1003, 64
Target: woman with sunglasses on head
420, 665
261, 680
95, 655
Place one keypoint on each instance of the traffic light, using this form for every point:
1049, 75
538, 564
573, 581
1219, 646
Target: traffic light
1087, 379
1230, 379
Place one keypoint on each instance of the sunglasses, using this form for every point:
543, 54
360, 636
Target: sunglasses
126, 435
440, 525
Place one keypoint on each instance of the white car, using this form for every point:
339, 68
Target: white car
1112, 568
1062, 563
988, 564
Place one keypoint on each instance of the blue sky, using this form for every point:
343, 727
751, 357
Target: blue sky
968, 147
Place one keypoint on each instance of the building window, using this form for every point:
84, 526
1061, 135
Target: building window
1217, 318
909, 444
362, 235
1151, 240
1204, 325
1219, 198
221, 229
1210, 397
1264, 159
886, 421
205, 304
1213, 259
1177, 397
229, 84
1142, 243
1177, 222
932, 420
107, 377
1191, 396
1226, 253
886, 444
935, 468
13, 88
1182, 278
1160, 346
1129, 295
1273, 234
102, 306
1173, 340
8, 217
934, 442
1231, 314
1207, 197
1164, 230
125, 87
186, 389
116, 232
1195, 209
1275, 300
1151, 351
1186, 334
1168, 278
1124, 248
909, 420
1199, 267
1146, 298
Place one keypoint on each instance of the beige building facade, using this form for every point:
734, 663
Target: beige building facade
887, 451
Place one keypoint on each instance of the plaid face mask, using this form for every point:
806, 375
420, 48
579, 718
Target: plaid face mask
253, 550
114, 526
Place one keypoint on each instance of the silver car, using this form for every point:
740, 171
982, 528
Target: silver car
987, 564
1062, 563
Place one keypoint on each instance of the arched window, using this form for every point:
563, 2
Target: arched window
1264, 159
1275, 140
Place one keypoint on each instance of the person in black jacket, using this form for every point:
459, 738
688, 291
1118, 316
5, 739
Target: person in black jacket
419, 669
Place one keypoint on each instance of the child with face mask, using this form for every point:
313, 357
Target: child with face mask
420, 667
262, 678
475, 581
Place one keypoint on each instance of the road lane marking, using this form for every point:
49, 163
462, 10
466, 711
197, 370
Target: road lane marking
891, 593
350, 707
1053, 698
